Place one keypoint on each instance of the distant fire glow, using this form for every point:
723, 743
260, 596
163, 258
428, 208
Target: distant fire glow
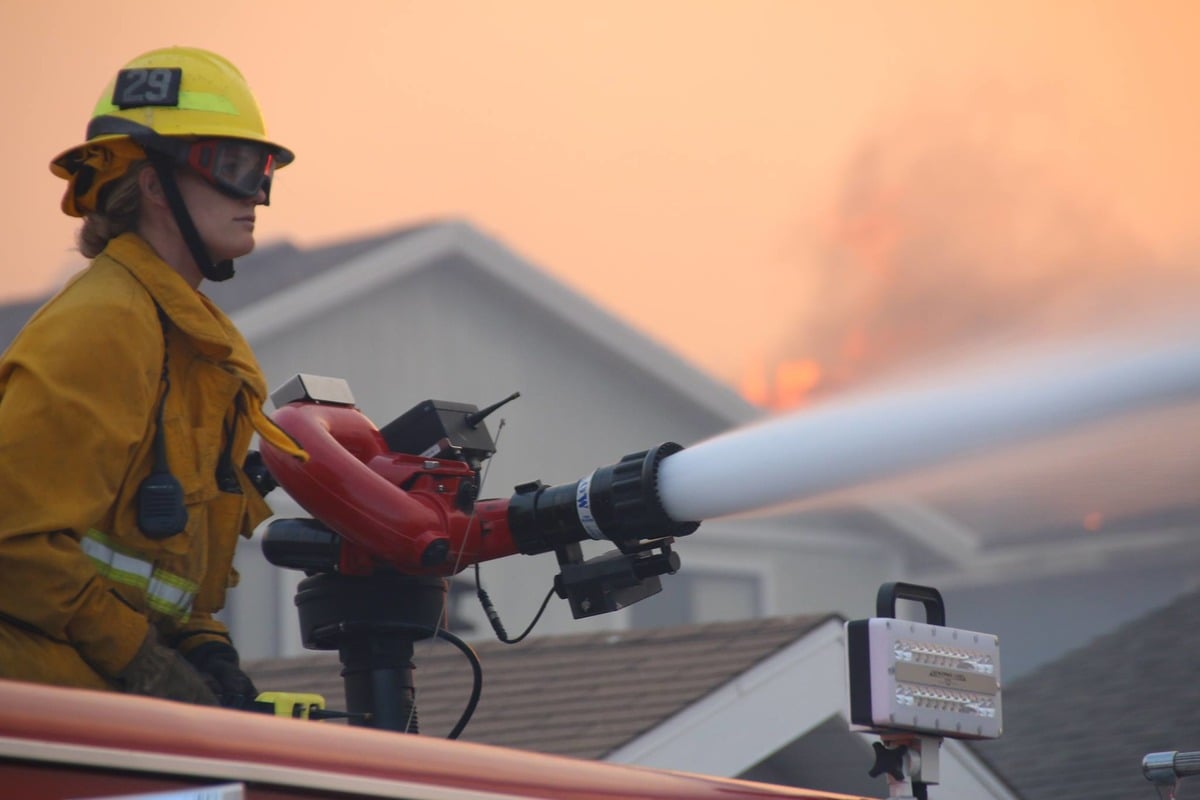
788, 385
943, 244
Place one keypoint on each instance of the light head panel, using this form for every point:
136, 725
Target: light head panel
920, 677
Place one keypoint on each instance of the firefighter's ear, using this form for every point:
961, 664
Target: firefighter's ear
151, 187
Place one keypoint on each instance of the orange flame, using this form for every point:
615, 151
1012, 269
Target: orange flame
789, 386
794, 380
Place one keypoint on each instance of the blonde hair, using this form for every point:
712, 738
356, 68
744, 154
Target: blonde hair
120, 206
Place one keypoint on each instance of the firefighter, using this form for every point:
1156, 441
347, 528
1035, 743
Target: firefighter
128, 401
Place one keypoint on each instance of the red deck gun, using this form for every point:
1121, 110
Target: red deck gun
405, 498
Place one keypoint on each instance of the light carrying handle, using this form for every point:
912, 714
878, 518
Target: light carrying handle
935, 609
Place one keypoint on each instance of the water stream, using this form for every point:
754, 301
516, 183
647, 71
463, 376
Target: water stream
856, 440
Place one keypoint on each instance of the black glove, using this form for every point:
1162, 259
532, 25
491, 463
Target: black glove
217, 663
159, 671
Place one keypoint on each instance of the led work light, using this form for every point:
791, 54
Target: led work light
907, 676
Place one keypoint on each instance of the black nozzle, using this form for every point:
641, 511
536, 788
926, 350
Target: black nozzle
619, 503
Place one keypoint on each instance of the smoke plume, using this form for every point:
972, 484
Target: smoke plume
957, 232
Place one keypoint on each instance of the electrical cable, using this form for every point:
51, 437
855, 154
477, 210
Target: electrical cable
494, 616
489, 608
467, 650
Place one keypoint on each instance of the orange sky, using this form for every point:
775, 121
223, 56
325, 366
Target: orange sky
745, 181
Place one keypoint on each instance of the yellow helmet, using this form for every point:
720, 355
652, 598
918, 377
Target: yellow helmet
154, 100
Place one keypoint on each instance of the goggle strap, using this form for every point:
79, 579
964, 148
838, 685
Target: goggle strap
147, 138
165, 167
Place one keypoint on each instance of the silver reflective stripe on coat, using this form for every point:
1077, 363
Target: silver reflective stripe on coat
166, 593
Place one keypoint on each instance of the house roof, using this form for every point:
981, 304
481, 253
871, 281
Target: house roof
1069, 502
281, 264
582, 695
364, 268
1078, 728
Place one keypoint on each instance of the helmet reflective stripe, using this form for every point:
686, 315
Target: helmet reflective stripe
188, 101
166, 593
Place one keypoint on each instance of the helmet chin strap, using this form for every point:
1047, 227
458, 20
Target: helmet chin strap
165, 167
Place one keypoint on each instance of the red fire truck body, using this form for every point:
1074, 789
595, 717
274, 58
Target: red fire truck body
71, 744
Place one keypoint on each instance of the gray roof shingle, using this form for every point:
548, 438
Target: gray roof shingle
1077, 729
581, 695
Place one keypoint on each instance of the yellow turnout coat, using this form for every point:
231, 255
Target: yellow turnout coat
80, 388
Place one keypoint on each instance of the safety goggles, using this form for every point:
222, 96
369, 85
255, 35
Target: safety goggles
236, 167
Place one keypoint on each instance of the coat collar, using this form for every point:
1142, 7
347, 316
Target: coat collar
187, 308
198, 318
